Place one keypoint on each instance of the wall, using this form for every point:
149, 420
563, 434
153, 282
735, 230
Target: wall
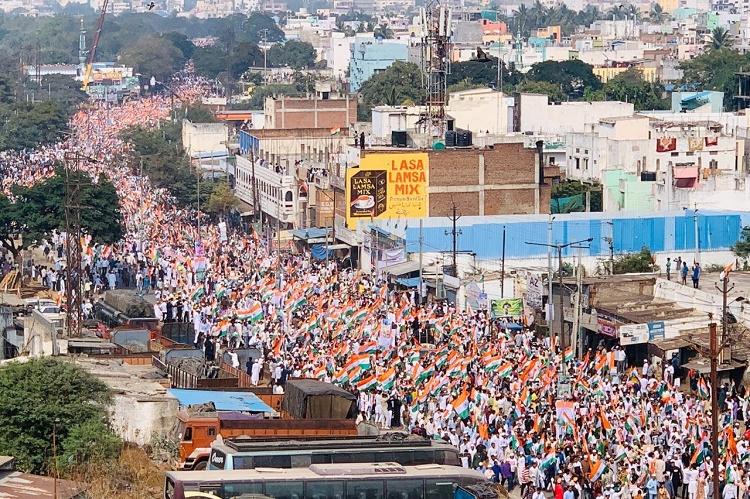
137, 419
291, 112
369, 57
463, 106
200, 138
688, 297
538, 116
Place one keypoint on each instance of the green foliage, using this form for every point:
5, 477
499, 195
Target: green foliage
570, 188
643, 261
6, 90
154, 56
159, 152
462, 85
89, 442
210, 61
221, 200
33, 395
721, 38
397, 85
551, 90
40, 209
741, 247
526, 19
482, 73
27, 126
293, 54
572, 76
715, 70
260, 93
198, 113
629, 86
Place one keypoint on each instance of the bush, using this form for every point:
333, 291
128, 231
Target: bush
643, 261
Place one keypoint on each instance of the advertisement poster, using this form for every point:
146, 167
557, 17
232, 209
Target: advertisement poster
507, 307
387, 186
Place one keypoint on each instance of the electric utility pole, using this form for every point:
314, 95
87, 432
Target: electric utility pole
455, 233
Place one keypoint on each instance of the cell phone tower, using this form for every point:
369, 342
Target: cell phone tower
435, 23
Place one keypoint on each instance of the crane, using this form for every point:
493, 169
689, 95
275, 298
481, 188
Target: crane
92, 53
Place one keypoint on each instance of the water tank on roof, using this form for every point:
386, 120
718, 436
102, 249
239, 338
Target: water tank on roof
450, 138
463, 138
398, 138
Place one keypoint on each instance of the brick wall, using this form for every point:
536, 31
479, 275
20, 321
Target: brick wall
454, 167
299, 113
510, 202
509, 164
441, 204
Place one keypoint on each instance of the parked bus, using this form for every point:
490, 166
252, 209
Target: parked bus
324, 481
243, 453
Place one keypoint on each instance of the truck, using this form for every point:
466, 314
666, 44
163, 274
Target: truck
309, 408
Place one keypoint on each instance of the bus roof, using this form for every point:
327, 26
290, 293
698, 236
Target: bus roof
251, 444
328, 471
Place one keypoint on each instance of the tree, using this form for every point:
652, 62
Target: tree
293, 54
481, 73
154, 56
36, 393
89, 443
741, 248
182, 42
542, 87
629, 86
643, 261
657, 14
210, 61
198, 113
400, 84
572, 76
715, 70
28, 126
721, 38
221, 200
571, 188
6, 91
40, 209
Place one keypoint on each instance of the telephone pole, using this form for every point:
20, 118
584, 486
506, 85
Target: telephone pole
455, 233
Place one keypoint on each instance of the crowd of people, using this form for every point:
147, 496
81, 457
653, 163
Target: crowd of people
462, 376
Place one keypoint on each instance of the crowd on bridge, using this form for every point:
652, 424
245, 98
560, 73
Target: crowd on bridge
625, 432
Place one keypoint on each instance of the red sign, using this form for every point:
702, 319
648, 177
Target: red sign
607, 328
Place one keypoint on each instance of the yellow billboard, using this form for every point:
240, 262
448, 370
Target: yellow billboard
387, 186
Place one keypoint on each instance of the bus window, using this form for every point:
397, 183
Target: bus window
422, 457
404, 489
365, 457
325, 490
300, 460
242, 462
449, 457
364, 489
342, 457
320, 458
232, 490
272, 461
438, 489
284, 490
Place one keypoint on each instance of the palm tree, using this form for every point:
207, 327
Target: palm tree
617, 11
657, 14
720, 38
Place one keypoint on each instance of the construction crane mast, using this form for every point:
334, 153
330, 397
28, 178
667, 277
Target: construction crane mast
89, 69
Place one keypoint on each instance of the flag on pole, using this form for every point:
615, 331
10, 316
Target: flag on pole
568, 354
367, 383
606, 425
253, 313
387, 379
461, 405
597, 470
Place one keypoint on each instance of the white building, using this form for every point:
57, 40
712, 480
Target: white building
481, 110
535, 114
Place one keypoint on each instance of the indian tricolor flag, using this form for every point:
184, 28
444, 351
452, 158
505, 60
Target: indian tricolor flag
568, 354
197, 294
606, 425
252, 313
367, 383
359, 315
387, 379
320, 373
597, 470
369, 347
361, 361
492, 363
505, 369
461, 405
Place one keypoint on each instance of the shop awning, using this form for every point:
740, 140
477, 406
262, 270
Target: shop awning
408, 282
686, 173
311, 233
703, 366
401, 268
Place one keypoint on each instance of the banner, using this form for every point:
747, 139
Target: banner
387, 186
507, 307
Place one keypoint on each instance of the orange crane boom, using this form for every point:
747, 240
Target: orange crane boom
92, 53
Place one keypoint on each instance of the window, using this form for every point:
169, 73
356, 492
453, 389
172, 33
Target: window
404, 489
320, 459
578, 163
364, 489
324, 490
212, 431
422, 457
449, 457
273, 461
169, 489
284, 490
674, 154
188, 436
242, 462
242, 488
342, 457
365, 457
300, 460
288, 197
438, 489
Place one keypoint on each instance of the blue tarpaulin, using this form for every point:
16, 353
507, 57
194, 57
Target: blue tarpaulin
318, 251
224, 401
